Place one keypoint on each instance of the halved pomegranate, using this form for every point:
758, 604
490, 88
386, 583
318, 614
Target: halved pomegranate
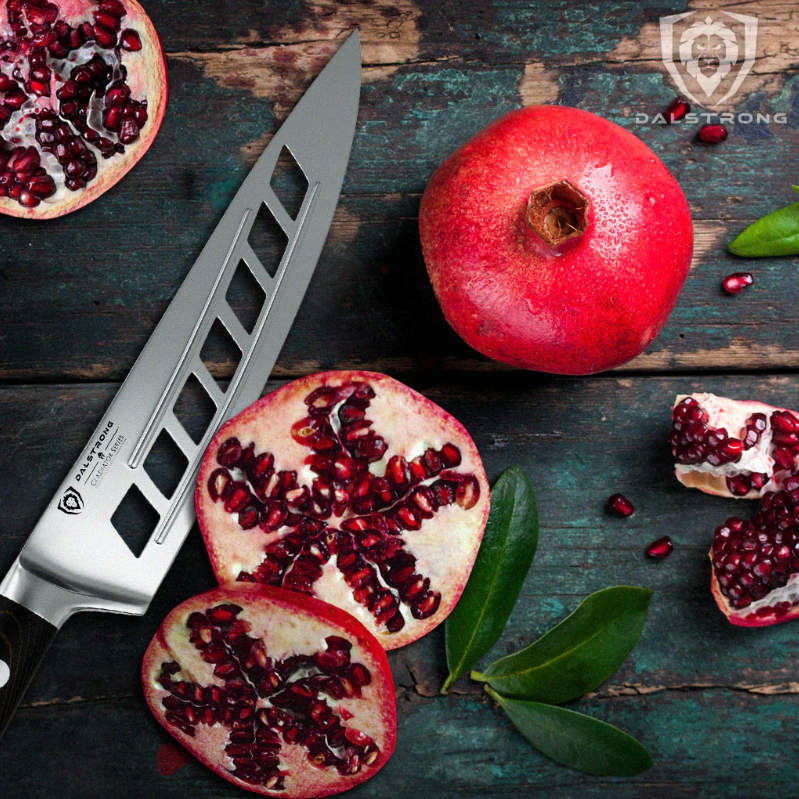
354, 488
278, 693
83, 92
732, 448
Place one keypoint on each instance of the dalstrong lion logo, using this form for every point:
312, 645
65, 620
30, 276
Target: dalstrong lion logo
714, 54
71, 502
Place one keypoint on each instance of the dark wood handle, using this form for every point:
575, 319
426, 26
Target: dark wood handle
24, 638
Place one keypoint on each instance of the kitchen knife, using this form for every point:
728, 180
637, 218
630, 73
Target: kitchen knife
75, 559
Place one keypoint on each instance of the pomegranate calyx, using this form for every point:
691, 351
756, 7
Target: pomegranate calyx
557, 212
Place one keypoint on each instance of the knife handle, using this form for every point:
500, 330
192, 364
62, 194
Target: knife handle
24, 638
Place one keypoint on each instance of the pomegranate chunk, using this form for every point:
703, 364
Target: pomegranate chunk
660, 549
258, 705
334, 479
732, 448
80, 103
755, 563
619, 505
737, 282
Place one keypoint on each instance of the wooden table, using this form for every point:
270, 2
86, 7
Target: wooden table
715, 705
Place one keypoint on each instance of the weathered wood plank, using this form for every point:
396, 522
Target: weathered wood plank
447, 748
82, 299
370, 303
579, 440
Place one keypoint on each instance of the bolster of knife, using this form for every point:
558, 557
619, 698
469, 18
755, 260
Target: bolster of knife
24, 638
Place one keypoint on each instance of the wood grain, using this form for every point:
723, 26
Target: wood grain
24, 638
81, 295
579, 440
81, 301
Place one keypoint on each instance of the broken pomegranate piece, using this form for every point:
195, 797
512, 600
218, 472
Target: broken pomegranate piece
351, 487
756, 563
81, 100
732, 448
276, 692
746, 450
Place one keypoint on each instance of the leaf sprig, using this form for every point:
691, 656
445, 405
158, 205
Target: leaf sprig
572, 659
776, 233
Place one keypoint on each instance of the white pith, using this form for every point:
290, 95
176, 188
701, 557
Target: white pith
786, 593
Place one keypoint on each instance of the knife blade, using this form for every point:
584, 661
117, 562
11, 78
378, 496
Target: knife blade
75, 559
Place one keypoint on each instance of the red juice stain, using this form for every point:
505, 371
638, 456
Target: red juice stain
171, 758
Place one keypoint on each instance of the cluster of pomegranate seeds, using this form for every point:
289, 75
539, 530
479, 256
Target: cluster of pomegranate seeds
693, 441
22, 176
676, 110
266, 703
660, 549
368, 544
737, 282
619, 505
752, 558
713, 134
92, 111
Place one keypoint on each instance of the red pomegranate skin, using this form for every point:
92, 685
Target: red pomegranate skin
583, 306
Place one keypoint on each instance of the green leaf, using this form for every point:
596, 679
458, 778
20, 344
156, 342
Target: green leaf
505, 556
576, 740
776, 233
578, 655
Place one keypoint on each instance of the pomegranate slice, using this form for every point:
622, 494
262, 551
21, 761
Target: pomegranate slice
83, 91
354, 488
278, 693
732, 448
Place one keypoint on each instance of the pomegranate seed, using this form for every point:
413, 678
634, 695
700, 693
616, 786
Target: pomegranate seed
660, 549
620, 505
737, 282
676, 110
129, 40
713, 134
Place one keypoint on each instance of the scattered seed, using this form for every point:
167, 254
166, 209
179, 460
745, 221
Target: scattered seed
676, 110
737, 282
713, 134
619, 505
660, 549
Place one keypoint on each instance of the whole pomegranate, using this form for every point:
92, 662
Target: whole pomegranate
83, 92
747, 450
277, 692
354, 488
556, 240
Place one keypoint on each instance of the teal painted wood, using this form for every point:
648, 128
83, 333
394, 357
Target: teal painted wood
82, 293
579, 440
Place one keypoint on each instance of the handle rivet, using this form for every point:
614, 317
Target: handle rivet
5, 673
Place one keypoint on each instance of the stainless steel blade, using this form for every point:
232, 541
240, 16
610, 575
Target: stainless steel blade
75, 559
